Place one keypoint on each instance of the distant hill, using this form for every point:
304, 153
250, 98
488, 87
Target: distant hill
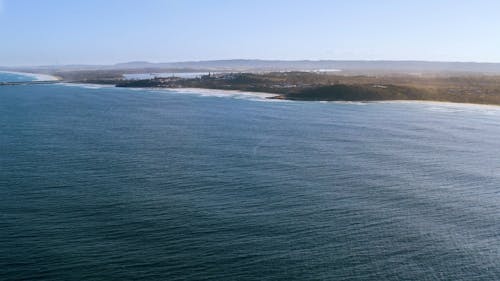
387, 66
346, 66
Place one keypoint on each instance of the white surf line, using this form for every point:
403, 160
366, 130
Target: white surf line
219, 92
443, 104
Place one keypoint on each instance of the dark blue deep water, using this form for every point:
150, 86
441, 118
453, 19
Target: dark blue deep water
118, 184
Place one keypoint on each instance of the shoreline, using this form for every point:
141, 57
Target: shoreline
277, 97
187, 90
302, 86
231, 93
298, 86
273, 96
280, 97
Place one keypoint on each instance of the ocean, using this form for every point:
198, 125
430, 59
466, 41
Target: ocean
104, 183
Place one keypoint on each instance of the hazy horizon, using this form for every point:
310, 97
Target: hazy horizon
53, 32
239, 59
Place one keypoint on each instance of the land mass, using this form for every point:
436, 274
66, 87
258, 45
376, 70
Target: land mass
309, 80
311, 86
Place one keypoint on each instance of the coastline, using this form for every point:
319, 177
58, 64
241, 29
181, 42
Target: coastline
188, 90
242, 93
279, 97
276, 97
299, 86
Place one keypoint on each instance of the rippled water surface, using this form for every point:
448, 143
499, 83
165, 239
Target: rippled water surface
119, 184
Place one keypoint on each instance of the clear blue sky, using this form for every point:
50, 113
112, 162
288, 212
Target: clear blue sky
35, 32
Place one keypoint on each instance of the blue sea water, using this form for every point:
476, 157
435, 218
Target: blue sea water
14, 77
100, 183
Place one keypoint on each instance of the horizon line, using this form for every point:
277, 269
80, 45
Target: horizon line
244, 59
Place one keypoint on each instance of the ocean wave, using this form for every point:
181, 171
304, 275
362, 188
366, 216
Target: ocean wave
221, 93
255, 96
347, 102
88, 86
450, 107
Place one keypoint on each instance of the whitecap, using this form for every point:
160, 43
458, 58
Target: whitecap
257, 96
88, 86
450, 107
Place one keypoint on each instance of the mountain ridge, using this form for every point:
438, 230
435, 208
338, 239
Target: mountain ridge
393, 66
